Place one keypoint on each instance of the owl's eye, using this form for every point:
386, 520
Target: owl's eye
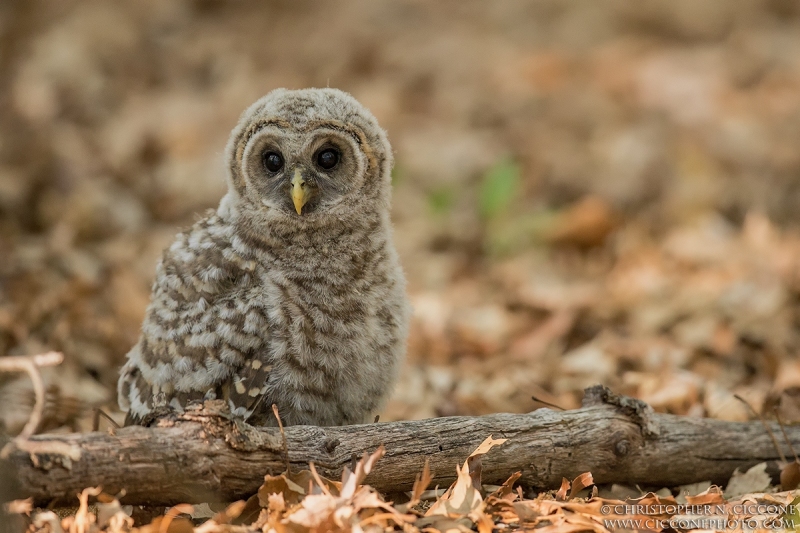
328, 159
272, 161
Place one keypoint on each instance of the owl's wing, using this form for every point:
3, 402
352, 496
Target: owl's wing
201, 337
246, 390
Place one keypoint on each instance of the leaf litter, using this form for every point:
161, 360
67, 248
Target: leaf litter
686, 300
306, 502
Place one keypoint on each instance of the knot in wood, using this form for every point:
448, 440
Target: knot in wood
330, 444
622, 448
639, 412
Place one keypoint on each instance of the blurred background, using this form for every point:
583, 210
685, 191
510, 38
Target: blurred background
585, 192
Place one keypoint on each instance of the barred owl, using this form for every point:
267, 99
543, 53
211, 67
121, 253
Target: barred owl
291, 292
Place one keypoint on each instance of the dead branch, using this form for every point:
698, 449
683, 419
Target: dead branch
22, 442
203, 456
31, 364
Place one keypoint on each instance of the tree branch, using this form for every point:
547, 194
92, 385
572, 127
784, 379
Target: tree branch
203, 456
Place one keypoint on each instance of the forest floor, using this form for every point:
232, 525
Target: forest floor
584, 193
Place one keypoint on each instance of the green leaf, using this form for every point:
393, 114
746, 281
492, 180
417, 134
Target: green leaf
441, 200
499, 188
791, 517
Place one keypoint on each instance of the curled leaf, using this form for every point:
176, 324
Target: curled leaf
561, 495
581, 482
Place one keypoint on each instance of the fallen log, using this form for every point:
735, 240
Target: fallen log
202, 455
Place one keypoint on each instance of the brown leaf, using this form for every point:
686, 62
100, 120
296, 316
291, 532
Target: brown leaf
26, 506
230, 513
790, 476
384, 519
561, 495
474, 461
442, 524
295, 486
314, 511
581, 482
485, 524
712, 495
586, 223
277, 503
526, 512
250, 511
755, 479
306, 478
506, 490
351, 481
475, 466
83, 518
172, 523
291, 491
460, 499
420, 485
651, 498
486, 445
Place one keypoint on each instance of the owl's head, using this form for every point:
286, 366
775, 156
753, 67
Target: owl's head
308, 155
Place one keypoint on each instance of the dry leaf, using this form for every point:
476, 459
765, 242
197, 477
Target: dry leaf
562, 492
230, 513
755, 479
711, 496
295, 486
586, 223
579, 483
485, 446
169, 524
790, 476
506, 490
20, 506
474, 461
460, 500
351, 481
420, 485
314, 510
280, 484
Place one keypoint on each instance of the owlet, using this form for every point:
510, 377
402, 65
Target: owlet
291, 292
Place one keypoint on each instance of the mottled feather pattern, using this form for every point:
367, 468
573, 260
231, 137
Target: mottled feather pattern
259, 305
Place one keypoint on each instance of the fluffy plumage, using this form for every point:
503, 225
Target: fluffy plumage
291, 292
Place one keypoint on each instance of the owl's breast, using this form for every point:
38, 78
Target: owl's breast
336, 339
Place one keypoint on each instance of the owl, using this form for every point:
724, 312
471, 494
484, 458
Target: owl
291, 292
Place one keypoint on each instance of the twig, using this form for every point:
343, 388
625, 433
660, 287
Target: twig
99, 413
785, 437
547, 404
31, 364
283, 437
761, 419
316, 477
11, 363
41, 447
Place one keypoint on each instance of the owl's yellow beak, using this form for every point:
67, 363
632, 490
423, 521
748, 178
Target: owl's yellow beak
299, 192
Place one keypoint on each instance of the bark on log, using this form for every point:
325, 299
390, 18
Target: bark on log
202, 456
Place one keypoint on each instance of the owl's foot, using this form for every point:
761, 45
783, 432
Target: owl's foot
152, 417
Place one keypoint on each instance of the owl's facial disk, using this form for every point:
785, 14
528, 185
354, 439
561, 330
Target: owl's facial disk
302, 174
